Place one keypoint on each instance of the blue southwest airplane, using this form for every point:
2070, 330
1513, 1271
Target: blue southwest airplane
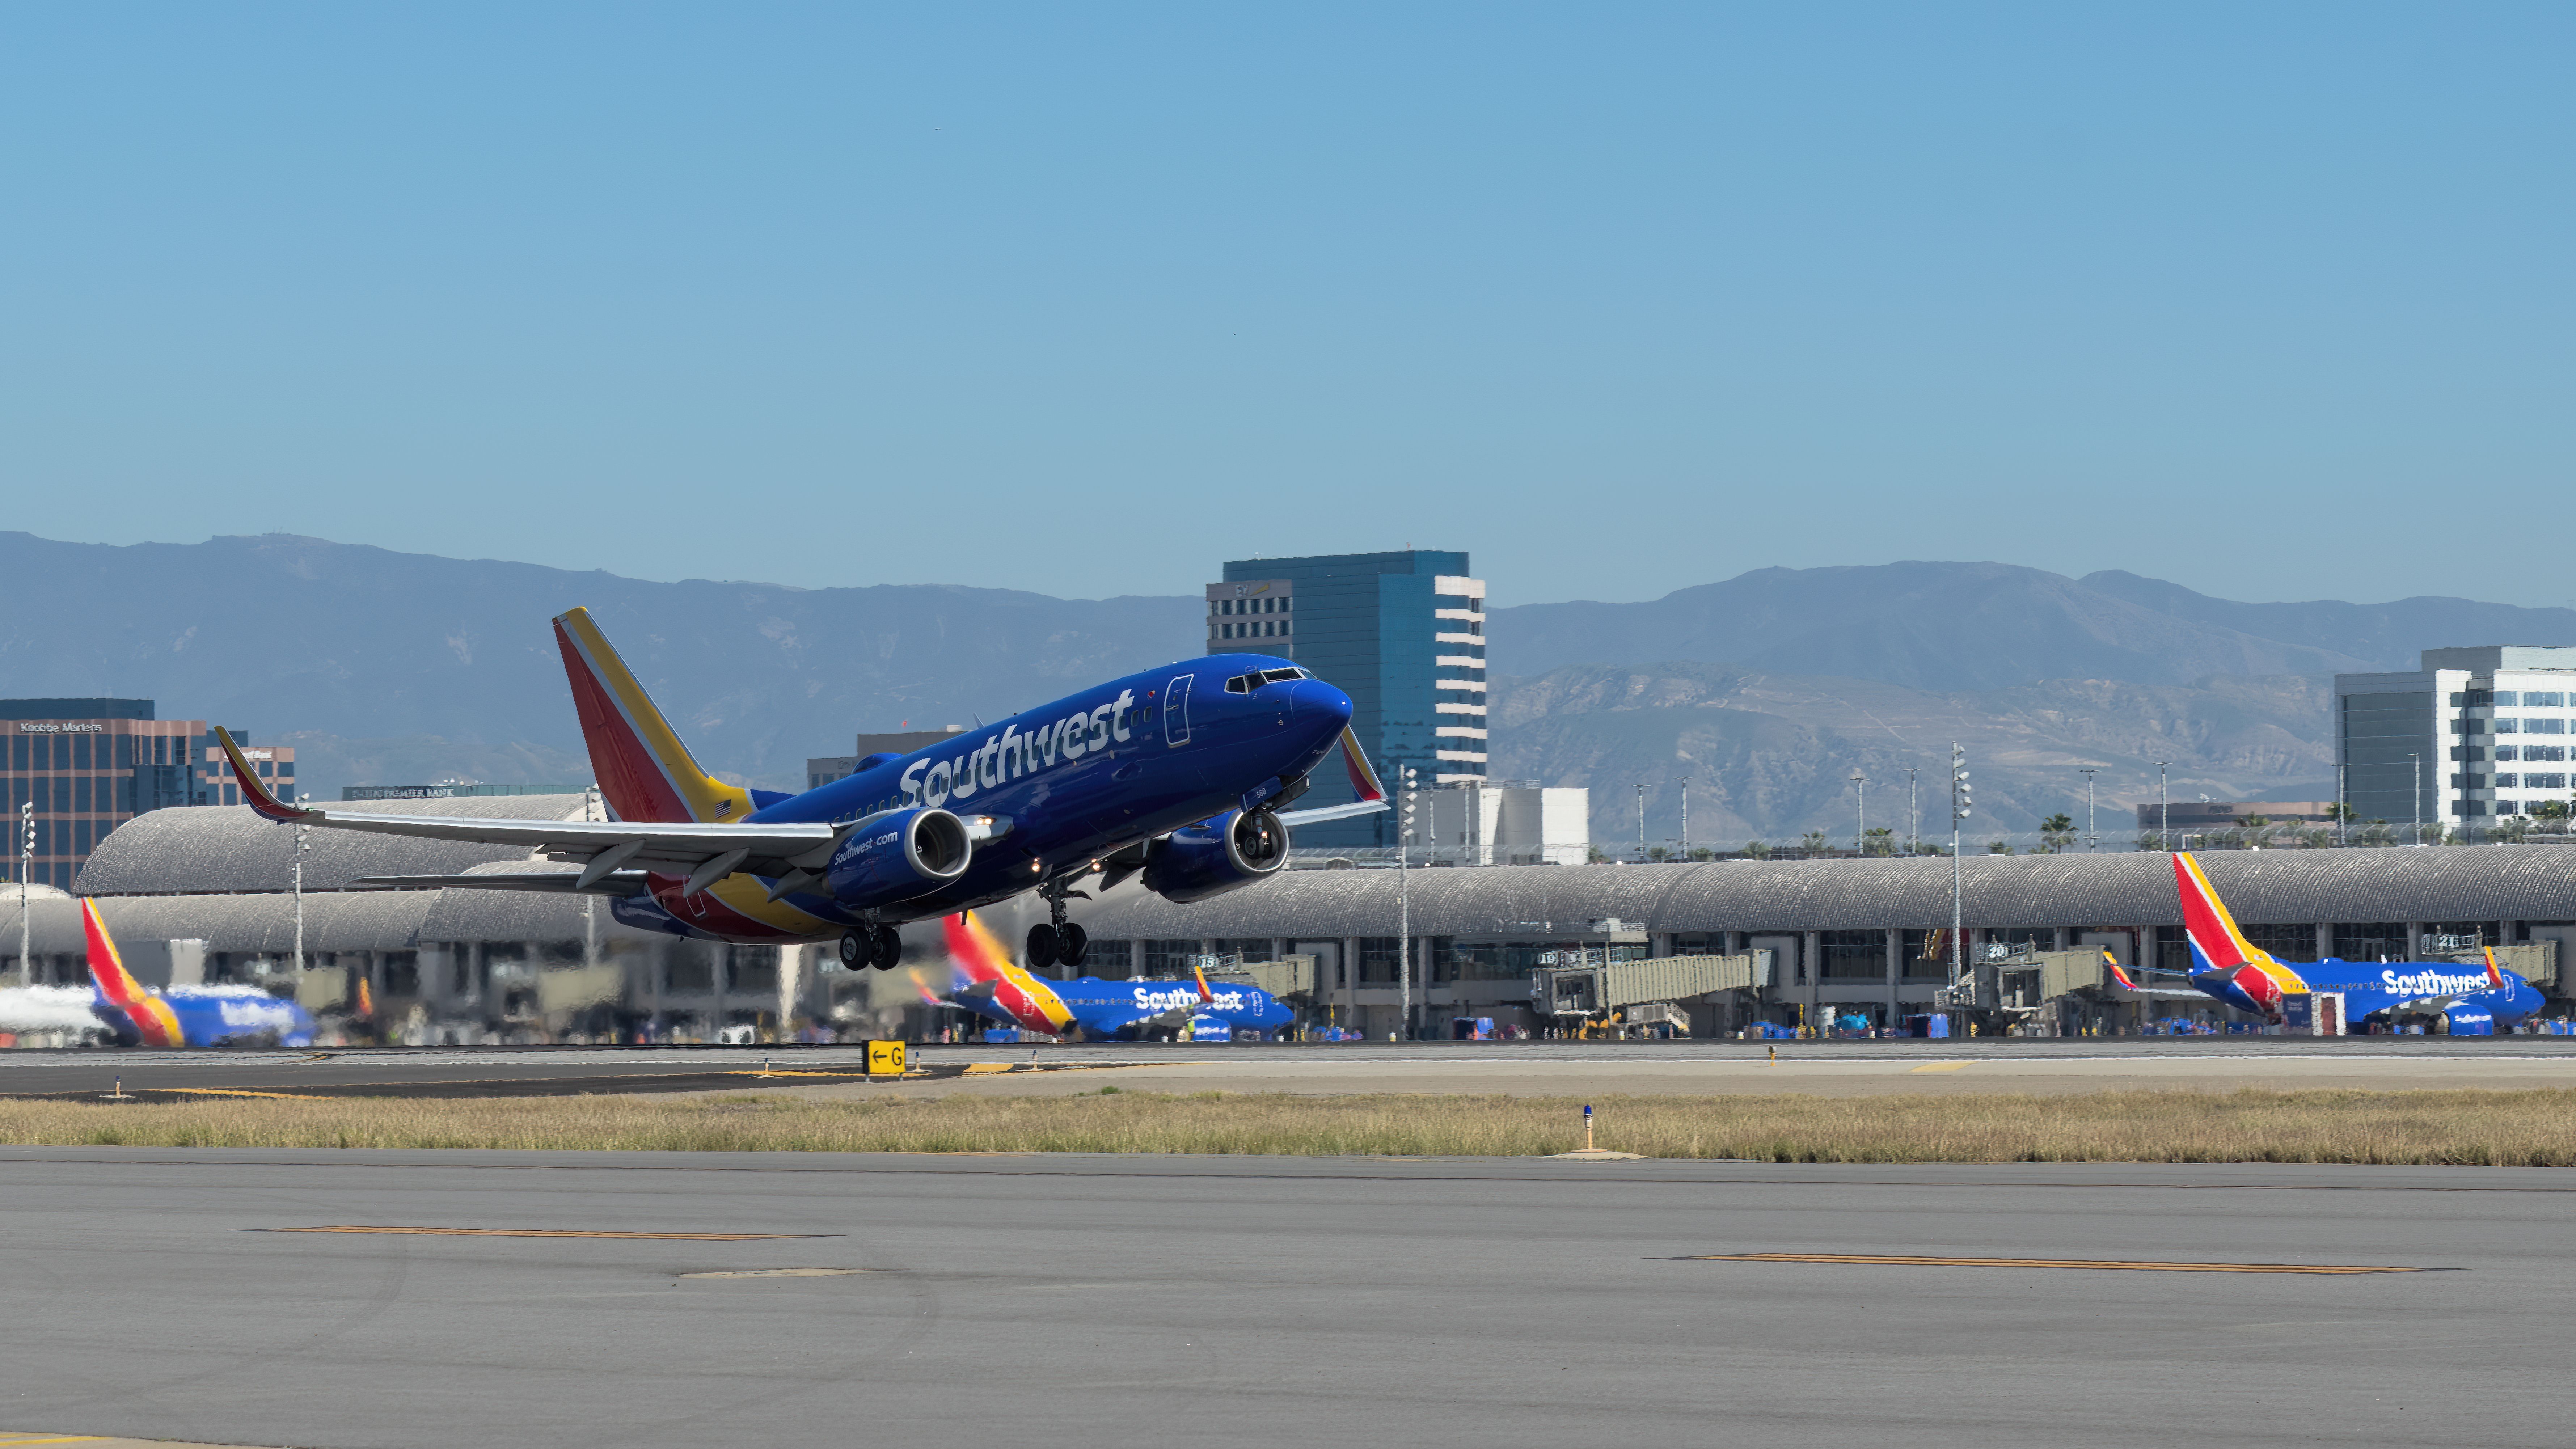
984, 980
183, 1016
2229, 968
1179, 775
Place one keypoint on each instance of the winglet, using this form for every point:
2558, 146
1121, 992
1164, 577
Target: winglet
2112, 964
1364, 781
1206, 997
254, 794
2495, 976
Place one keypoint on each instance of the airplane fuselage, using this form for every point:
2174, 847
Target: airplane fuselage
1060, 785
2378, 989
1102, 1009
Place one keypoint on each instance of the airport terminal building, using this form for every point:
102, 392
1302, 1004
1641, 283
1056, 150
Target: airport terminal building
1849, 936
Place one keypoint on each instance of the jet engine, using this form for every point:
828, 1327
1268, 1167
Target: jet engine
1215, 856
899, 856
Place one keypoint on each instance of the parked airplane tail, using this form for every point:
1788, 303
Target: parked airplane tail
2495, 974
973, 950
117, 988
2216, 943
2212, 932
644, 771
2119, 973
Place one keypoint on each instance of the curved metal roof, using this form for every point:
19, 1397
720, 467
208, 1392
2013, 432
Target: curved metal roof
226, 848
2445, 883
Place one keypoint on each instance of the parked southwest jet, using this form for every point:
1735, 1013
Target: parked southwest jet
2232, 969
183, 1016
984, 981
1178, 774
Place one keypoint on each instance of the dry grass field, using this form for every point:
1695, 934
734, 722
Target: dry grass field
2483, 1128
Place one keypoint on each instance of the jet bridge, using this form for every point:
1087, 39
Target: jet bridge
1593, 988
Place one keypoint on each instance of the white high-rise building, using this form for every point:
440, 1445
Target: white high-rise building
2476, 734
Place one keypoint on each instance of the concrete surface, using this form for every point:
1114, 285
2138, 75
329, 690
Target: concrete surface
1191, 1301
1541, 1068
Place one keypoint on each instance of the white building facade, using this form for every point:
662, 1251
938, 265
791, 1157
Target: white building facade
2476, 735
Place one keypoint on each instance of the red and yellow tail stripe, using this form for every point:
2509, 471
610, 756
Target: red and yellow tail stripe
2111, 963
1364, 781
152, 1017
644, 771
2495, 973
2212, 931
1031, 1002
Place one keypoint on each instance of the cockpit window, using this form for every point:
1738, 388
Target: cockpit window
1278, 676
1241, 683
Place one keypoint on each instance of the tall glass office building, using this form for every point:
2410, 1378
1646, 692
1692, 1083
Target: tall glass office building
1402, 633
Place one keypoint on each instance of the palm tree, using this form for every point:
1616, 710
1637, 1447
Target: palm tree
2056, 833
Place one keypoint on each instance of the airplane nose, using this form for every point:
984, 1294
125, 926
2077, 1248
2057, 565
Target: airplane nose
1314, 701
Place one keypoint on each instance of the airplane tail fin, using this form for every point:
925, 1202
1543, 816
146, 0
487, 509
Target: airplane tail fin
972, 949
116, 985
2495, 974
2206, 924
2111, 964
644, 771
1206, 997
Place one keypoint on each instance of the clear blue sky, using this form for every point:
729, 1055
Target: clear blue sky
2270, 300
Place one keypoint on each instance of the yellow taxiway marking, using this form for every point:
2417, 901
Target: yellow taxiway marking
1942, 1067
1910, 1261
539, 1233
796, 1074
981, 1069
239, 1092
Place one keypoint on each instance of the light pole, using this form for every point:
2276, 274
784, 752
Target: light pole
1959, 803
1913, 816
1404, 908
2092, 837
1686, 819
1860, 793
2343, 800
26, 872
301, 846
2419, 797
2164, 811
1641, 824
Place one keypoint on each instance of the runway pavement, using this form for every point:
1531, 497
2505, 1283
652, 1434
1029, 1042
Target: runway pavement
1186, 1301
1521, 1068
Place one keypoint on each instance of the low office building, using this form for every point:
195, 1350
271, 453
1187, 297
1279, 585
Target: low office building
2198, 817
76, 769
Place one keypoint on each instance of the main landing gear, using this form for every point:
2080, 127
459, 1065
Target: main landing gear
878, 946
1057, 941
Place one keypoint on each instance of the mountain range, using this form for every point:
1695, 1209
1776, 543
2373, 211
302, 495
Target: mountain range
1768, 689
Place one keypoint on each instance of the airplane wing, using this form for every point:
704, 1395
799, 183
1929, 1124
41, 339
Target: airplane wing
549, 882
704, 853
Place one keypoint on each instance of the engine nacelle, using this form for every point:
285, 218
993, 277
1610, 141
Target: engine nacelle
899, 856
1234, 849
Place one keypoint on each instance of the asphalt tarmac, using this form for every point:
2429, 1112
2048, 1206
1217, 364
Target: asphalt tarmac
1517, 1068
1152, 1301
